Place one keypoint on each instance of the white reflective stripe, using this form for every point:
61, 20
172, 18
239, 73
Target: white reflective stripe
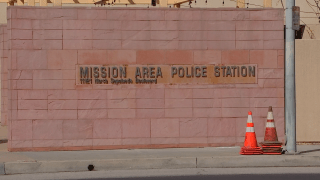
249, 119
270, 115
250, 129
270, 124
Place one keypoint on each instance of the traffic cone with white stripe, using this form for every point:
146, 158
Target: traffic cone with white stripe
250, 143
271, 145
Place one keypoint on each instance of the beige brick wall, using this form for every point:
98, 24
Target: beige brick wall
307, 89
3, 13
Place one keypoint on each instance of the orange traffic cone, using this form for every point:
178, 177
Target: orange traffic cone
250, 143
271, 145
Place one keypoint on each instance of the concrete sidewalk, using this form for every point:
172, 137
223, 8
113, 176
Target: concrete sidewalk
228, 157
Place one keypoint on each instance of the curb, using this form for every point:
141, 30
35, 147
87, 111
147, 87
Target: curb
159, 163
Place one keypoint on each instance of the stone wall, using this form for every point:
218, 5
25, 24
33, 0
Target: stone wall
49, 111
4, 73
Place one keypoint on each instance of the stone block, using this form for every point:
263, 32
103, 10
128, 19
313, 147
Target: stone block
21, 144
62, 59
32, 94
235, 57
136, 141
47, 44
21, 24
136, 128
280, 61
150, 113
92, 57
178, 103
150, 57
77, 34
249, 35
21, 34
167, 45
47, 143
212, 15
190, 25
48, 24
107, 34
150, 103
92, 104
78, 24
271, 83
62, 13
150, 93
202, 141
207, 57
178, 113
257, 44
107, 129
267, 15
179, 57
221, 45
62, 104
273, 44
92, 14
158, 25
93, 114
235, 15
273, 25
121, 113
273, 35
235, 112
264, 58
150, 15
122, 104
203, 93
62, 114
192, 45
62, 94
77, 44
77, 143
47, 74
77, 129
92, 94
47, 84
178, 93
23, 84
250, 25
22, 44
122, 57
32, 104
106, 142
171, 141
121, 15
135, 45
236, 102
47, 34
21, 130
123, 93
222, 127
271, 73
106, 25
193, 127
106, 44
266, 102
135, 25
47, 129
206, 112
165, 128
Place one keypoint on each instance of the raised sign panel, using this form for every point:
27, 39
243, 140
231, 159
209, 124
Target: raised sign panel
166, 74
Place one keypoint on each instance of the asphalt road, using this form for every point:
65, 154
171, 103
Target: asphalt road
274, 173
